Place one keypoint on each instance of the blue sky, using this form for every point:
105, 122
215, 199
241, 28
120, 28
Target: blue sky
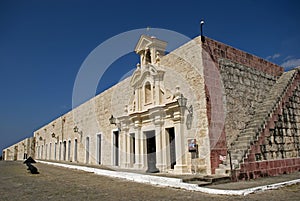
44, 42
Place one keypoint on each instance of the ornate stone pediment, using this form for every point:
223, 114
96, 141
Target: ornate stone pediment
150, 42
148, 79
150, 50
154, 73
148, 87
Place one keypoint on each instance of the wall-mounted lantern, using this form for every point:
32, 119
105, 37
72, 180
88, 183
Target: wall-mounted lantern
182, 102
54, 136
113, 120
76, 130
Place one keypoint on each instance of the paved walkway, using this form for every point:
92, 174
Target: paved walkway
60, 183
267, 181
231, 188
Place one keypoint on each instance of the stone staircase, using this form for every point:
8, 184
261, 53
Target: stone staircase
263, 113
206, 180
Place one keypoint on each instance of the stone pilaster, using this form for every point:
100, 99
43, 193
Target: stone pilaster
181, 166
123, 147
138, 145
158, 142
164, 147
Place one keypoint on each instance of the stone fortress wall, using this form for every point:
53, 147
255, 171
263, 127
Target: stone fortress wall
186, 63
275, 147
56, 140
92, 117
243, 105
245, 88
256, 96
20, 151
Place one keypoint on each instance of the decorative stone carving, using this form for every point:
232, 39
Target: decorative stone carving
147, 79
177, 93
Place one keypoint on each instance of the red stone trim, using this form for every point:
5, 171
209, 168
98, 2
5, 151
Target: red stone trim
253, 170
219, 50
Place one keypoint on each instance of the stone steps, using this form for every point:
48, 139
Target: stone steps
262, 115
207, 180
245, 138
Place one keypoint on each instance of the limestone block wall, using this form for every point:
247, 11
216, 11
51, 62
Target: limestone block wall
111, 102
277, 149
224, 85
21, 150
219, 112
284, 140
224, 88
58, 141
244, 89
8, 153
185, 69
218, 50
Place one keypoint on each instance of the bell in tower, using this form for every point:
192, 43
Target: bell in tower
147, 56
150, 50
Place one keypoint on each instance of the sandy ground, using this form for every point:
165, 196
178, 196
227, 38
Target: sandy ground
55, 183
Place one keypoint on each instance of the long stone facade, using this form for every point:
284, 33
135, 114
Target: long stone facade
20, 151
204, 108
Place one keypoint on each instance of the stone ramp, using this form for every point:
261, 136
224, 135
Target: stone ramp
263, 113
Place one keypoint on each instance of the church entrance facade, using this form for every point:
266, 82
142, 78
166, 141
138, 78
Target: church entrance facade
143, 123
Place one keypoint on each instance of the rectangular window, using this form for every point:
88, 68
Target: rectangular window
42, 152
59, 156
172, 149
69, 150
65, 150
75, 150
99, 149
39, 152
116, 148
55, 145
132, 148
87, 150
46, 150
50, 146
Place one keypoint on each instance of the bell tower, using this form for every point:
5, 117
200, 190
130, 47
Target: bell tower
147, 79
150, 50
